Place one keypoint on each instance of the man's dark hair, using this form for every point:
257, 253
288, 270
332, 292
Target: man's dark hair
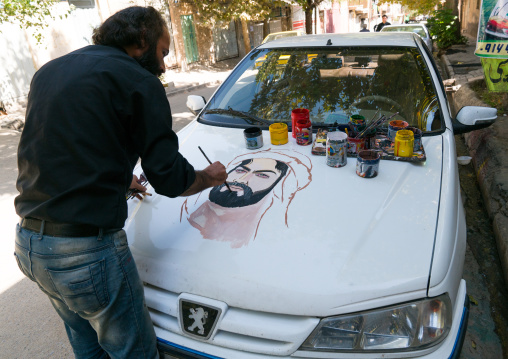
134, 25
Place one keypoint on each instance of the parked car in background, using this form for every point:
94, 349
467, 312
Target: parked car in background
419, 29
300, 259
282, 34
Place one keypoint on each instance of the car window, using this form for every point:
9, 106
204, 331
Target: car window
332, 83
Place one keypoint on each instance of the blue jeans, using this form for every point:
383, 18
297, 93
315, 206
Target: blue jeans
94, 286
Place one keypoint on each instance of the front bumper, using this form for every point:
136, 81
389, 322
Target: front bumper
450, 348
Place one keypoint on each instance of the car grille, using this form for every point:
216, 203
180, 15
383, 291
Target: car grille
240, 329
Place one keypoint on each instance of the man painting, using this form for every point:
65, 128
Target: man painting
91, 115
384, 23
257, 185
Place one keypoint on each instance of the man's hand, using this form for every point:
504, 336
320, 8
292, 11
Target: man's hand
213, 175
139, 191
216, 173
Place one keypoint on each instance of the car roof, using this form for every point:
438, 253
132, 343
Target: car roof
364, 39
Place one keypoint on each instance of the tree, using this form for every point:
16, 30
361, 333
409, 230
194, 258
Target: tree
308, 7
223, 11
28, 14
418, 6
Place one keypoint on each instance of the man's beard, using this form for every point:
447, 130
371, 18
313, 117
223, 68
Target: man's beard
149, 61
232, 200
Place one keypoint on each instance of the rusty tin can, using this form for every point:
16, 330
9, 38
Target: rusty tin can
336, 149
367, 163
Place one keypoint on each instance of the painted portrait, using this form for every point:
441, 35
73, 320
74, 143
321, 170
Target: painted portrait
262, 183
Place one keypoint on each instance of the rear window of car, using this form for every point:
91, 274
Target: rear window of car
333, 83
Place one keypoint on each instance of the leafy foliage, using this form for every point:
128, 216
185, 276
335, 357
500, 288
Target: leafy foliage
223, 11
421, 7
445, 26
28, 14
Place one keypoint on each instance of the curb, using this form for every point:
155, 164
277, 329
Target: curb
484, 147
187, 88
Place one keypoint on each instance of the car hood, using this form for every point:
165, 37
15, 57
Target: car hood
323, 238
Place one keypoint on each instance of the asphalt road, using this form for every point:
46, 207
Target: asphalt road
29, 327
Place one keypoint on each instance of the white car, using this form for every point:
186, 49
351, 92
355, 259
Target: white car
419, 29
300, 259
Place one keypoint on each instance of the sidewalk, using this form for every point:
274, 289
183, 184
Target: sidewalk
199, 76
175, 81
487, 147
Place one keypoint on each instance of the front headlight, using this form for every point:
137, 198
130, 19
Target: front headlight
408, 326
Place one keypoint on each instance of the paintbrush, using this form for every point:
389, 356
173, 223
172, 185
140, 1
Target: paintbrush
210, 162
376, 124
372, 124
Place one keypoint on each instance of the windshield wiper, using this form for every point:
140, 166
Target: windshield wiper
237, 113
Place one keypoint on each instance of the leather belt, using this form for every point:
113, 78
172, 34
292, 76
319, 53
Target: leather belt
63, 229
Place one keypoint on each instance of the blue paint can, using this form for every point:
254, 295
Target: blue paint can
417, 145
367, 163
253, 138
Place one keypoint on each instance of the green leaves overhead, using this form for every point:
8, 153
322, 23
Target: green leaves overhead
217, 11
27, 14
421, 7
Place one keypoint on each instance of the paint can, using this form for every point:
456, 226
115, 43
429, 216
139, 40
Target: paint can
253, 138
367, 163
404, 142
395, 126
298, 114
336, 149
278, 133
417, 133
370, 139
303, 132
355, 145
357, 123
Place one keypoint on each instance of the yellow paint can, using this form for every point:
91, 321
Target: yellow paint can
404, 141
278, 133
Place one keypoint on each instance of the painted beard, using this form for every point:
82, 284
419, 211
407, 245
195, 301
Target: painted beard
232, 199
149, 61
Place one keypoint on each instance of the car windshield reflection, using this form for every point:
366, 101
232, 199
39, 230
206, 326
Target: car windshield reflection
332, 83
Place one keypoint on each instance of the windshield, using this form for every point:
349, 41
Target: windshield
332, 84
416, 29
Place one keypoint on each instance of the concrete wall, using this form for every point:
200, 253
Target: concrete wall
22, 55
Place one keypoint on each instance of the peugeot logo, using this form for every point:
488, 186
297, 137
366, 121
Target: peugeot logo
198, 320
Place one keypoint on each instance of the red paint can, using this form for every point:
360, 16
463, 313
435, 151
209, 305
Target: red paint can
298, 114
303, 132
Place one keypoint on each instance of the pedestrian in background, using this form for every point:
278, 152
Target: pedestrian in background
91, 115
382, 24
364, 28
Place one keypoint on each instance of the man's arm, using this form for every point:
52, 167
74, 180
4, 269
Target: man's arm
213, 175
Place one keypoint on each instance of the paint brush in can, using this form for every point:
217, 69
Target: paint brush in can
210, 162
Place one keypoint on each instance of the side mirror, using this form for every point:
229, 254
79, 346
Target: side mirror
471, 118
195, 103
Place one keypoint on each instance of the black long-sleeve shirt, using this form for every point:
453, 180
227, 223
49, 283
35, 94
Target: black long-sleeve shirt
91, 114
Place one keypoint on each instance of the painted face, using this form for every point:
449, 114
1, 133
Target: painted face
250, 182
153, 58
